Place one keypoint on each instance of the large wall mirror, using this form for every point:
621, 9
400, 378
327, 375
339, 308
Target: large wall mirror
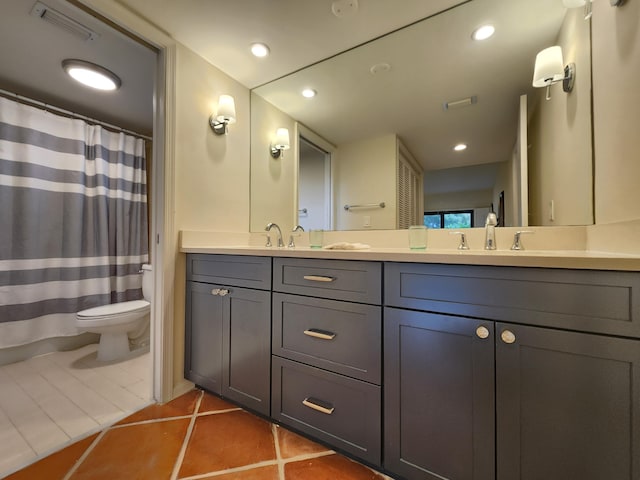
398, 106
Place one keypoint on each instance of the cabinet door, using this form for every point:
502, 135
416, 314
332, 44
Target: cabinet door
247, 348
203, 336
439, 396
568, 405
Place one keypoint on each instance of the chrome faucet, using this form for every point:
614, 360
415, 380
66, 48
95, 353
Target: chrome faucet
298, 228
272, 225
517, 244
463, 245
490, 231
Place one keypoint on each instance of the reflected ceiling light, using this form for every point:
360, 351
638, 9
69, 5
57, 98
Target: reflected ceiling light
91, 75
281, 143
483, 32
309, 93
550, 69
259, 49
460, 147
225, 116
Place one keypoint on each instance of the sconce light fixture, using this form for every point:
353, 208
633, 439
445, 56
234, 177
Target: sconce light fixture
226, 115
550, 69
281, 143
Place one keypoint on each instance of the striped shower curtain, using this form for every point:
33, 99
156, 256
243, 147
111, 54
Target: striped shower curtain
73, 221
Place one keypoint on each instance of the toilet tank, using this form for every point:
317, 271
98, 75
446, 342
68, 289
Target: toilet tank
147, 281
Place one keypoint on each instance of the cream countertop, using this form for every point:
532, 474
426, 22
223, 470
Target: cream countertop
381, 249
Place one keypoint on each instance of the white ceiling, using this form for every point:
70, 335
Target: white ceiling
300, 33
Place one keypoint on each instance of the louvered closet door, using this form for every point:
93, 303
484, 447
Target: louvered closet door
408, 191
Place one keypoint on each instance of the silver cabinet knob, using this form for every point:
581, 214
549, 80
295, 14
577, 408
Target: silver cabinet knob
221, 292
482, 332
508, 336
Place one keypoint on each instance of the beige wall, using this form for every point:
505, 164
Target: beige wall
559, 135
273, 180
365, 172
616, 76
211, 171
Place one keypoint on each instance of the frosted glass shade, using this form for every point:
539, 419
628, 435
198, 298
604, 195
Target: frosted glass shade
549, 67
282, 139
226, 109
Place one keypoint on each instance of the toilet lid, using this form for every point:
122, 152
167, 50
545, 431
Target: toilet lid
115, 309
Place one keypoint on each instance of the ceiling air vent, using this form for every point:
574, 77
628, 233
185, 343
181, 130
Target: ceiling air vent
62, 21
464, 102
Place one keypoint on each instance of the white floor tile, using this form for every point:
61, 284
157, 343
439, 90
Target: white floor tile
47, 400
39, 431
14, 450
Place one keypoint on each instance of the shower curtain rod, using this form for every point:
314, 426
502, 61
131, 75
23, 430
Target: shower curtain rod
48, 107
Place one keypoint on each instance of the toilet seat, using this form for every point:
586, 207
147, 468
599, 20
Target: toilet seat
114, 309
115, 314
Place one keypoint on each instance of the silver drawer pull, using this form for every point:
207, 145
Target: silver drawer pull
317, 333
220, 292
319, 278
318, 405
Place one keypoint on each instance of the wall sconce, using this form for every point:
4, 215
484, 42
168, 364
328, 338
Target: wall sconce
226, 115
281, 143
550, 69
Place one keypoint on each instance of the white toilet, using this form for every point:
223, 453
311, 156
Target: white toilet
115, 322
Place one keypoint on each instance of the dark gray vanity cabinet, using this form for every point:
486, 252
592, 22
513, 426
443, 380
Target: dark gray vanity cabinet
327, 352
228, 327
568, 405
439, 396
565, 403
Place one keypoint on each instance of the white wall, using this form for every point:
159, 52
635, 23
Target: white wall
559, 135
365, 172
616, 80
273, 180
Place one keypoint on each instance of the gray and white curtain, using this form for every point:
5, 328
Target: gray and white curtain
73, 220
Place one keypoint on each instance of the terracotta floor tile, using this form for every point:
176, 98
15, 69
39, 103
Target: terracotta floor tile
136, 452
227, 440
329, 467
211, 403
56, 465
183, 405
292, 444
261, 473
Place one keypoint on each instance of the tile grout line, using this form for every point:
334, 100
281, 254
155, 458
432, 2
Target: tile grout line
187, 437
243, 468
274, 430
84, 456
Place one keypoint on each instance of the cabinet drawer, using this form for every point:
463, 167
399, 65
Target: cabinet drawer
354, 281
237, 270
339, 336
341, 411
586, 300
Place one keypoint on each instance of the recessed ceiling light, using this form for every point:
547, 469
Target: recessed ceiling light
309, 93
483, 32
380, 68
460, 147
91, 75
259, 49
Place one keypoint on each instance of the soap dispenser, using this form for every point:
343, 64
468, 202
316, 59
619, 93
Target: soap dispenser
490, 231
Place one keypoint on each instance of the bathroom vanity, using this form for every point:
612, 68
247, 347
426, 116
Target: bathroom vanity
427, 369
